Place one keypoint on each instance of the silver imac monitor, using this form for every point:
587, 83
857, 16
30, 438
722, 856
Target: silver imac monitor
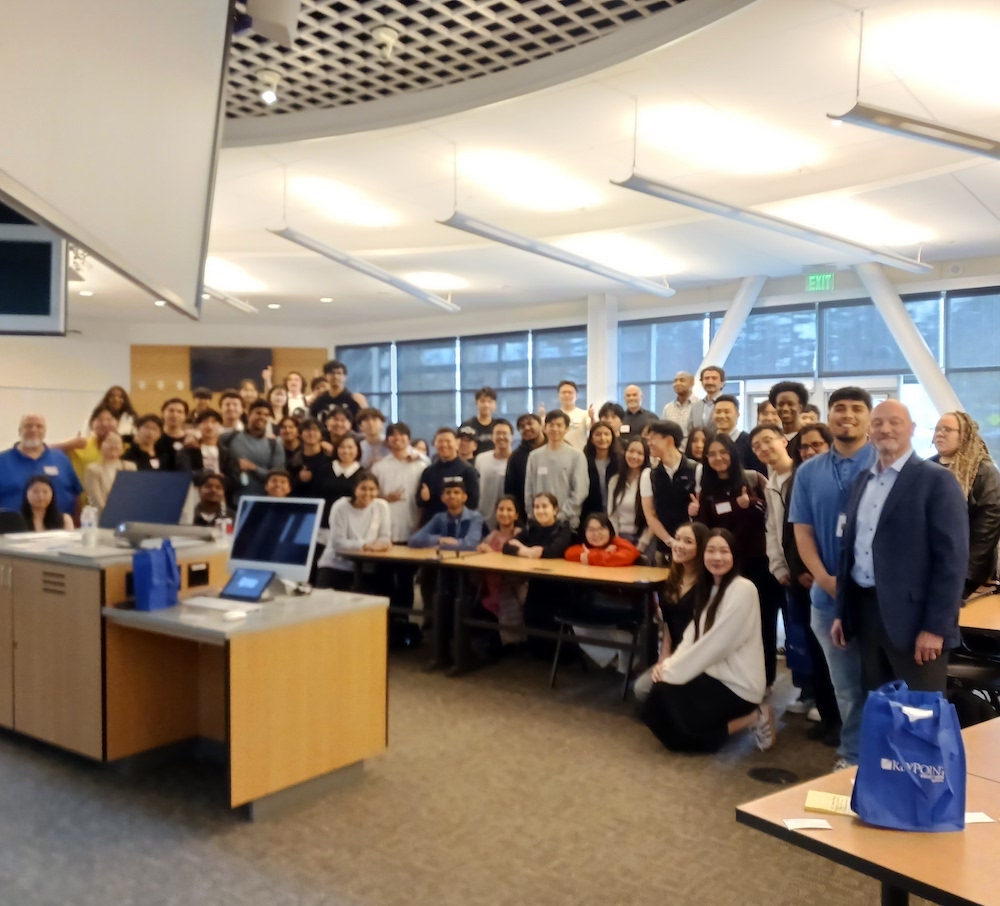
276, 533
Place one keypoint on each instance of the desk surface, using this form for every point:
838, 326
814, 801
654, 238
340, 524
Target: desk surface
953, 868
400, 553
66, 549
199, 624
982, 614
982, 752
562, 569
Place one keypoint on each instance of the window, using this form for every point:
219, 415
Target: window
426, 394
369, 371
650, 353
979, 392
773, 342
558, 355
972, 327
856, 340
499, 361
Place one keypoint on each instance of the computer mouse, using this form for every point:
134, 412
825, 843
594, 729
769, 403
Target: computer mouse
233, 615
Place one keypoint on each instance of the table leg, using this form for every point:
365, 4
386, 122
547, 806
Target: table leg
894, 896
357, 574
460, 632
439, 630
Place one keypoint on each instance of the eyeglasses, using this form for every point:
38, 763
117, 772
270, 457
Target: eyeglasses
941, 429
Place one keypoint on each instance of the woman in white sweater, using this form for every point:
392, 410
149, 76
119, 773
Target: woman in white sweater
712, 684
360, 522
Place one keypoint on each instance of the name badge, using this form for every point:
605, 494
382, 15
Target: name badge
625, 429
51, 470
178, 445
543, 470
723, 507
841, 524
154, 463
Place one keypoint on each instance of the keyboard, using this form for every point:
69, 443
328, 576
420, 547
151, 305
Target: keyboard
222, 604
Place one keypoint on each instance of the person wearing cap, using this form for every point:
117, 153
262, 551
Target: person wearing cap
457, 528
447, 465
468, 444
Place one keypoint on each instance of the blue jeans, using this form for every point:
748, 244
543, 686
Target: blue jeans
845, 673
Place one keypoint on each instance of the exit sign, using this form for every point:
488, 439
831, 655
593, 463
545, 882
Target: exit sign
817, 283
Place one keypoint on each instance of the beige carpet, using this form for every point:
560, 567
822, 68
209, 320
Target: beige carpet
494, 791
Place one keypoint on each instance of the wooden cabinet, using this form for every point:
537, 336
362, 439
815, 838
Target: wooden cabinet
6, 644
57, 654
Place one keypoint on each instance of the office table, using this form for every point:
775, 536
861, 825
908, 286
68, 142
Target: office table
636, 578
981, 614
951, 869
982, 751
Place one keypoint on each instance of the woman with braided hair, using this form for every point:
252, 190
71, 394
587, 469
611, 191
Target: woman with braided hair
962, 450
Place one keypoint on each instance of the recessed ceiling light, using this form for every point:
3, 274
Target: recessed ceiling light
342, 203
950, 52
160, 303
435, 280
273, 305
269, 81
229, 277
853, 220
633, 256
326, 299
728, 142
526, 181
86, 292
206, 296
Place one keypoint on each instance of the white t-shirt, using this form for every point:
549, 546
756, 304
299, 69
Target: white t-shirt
624, 516
579, 422
492, 472
400, 475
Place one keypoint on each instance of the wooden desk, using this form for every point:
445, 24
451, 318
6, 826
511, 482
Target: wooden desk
952, 869
642, 579
982, 752
981, 614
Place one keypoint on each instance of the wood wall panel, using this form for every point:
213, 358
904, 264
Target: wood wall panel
159, 373
308, 362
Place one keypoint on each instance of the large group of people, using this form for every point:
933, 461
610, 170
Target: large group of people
865, 549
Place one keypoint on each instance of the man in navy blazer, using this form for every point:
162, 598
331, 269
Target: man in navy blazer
903, 561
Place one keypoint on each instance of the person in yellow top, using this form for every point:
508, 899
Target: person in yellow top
84, 451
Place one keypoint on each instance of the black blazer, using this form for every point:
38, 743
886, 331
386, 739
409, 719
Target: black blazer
921, 555
748, 459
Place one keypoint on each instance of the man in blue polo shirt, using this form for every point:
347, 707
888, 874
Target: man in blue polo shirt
29, 457
819, 512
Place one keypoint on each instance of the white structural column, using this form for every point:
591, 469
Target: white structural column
729, 330
602, 350
919, 357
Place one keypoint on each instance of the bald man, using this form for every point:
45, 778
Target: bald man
905, 556
31, 456
636, 418
681, 410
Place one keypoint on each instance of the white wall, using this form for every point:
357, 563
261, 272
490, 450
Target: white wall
63, 378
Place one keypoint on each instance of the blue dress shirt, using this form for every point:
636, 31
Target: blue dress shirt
873, 498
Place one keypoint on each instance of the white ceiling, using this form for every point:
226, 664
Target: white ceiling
783, 64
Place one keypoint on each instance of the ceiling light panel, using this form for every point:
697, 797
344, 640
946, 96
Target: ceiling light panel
526, 181
854, 220
342, 203
436, 281
229, 277
950, 50
724, 141
622, 252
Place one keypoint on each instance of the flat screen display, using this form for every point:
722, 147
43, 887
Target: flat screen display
247, 584
25, 278
276, 533
156, 497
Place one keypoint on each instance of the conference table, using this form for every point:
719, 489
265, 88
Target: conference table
981, 613
951, 869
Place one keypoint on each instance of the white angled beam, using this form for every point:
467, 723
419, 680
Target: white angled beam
364, 267
486, 230
913, 346
769, 222
732, 323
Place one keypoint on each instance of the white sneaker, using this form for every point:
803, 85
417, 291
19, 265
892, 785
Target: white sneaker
763, 728
800, 706
813, 715
841, 764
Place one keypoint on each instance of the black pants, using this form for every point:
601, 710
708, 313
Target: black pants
694, 717
337, 579
772, 594
822, 686
881, 661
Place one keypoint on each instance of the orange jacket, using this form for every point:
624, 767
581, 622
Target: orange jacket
625, 554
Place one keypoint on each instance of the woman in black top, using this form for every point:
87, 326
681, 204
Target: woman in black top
696, 441
309, 463
733, 498
604, 459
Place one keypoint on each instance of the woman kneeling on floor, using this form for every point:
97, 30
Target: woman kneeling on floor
713, 684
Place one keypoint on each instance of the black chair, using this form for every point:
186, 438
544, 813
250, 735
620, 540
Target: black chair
12, 521
976, 672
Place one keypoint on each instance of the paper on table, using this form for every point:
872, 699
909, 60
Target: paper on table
830, 803
978, 818
808, 824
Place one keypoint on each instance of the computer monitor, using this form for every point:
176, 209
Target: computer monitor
276, 533
146, 497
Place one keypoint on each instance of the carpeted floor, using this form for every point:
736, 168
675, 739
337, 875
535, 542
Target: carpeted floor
494, 791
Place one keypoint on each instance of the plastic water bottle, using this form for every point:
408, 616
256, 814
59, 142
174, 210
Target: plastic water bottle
88, 523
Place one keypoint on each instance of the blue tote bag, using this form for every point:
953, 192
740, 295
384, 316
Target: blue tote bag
156, 577
911, 765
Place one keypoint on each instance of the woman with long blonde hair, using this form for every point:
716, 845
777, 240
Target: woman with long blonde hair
963, 452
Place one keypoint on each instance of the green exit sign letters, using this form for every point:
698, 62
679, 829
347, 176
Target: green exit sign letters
817, 283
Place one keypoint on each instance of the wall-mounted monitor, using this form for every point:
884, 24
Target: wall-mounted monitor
32, 280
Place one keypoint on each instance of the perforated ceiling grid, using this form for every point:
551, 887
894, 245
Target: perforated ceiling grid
335, 60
